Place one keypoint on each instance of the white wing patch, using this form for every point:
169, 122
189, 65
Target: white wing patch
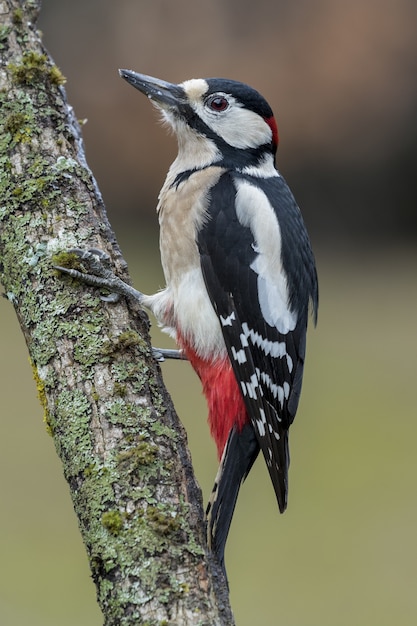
274, 348
278, 391
261, 423
254, 211
227, 321
273, 300
239, 355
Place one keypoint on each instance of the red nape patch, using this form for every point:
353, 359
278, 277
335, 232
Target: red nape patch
274, 128
225, 402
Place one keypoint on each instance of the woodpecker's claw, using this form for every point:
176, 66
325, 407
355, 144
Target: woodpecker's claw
100, 274
96, 259
112, 298
160, 354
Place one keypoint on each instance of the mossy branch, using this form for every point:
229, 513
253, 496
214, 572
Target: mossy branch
122, 447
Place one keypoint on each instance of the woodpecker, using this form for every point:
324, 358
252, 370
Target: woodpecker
240, 277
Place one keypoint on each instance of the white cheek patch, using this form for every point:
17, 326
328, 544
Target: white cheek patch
237, 126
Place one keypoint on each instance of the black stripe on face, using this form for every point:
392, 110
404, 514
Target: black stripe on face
247, 97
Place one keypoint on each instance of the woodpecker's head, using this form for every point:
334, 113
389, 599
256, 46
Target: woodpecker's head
216, 120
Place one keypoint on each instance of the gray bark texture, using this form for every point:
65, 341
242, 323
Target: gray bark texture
122, 447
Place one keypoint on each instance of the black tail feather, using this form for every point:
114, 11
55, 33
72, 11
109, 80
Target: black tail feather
239, 454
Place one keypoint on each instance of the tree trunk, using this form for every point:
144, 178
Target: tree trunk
122, 447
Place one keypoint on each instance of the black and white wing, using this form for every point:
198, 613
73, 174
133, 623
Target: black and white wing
260, 274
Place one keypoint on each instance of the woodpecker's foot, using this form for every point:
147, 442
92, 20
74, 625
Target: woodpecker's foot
99, 273
160, 354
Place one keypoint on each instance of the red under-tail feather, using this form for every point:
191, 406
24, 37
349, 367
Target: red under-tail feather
224, 399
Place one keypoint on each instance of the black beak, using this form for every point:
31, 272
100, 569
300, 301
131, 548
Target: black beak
161, 92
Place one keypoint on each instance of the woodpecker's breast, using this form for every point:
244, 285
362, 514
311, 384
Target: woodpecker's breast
182, 211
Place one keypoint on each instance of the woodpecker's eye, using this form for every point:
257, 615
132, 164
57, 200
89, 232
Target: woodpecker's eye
218, 103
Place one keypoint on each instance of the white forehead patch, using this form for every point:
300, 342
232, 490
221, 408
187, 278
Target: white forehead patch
195, 88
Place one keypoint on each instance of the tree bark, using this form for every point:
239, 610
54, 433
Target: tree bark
123, 449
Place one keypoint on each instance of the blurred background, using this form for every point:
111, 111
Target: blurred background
341, 79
